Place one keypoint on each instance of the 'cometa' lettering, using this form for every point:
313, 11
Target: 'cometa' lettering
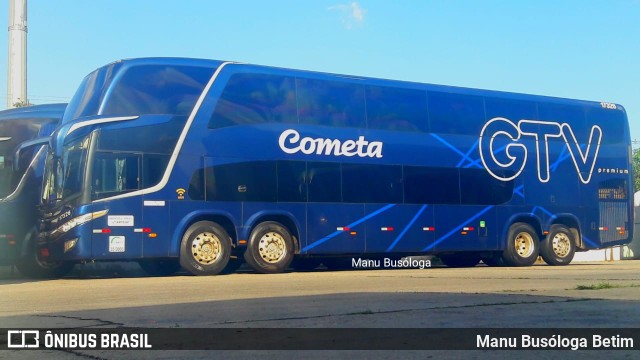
290, 142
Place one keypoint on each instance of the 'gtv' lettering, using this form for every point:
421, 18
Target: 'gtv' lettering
501, 130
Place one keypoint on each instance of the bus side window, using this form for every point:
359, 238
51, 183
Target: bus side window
396, 109
331, 103
250, 99
451, 113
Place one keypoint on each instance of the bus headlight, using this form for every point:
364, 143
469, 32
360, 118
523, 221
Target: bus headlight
69, 244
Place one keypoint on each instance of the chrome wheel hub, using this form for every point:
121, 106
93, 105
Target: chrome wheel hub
206, 248
561, 244
524, 244
272, 247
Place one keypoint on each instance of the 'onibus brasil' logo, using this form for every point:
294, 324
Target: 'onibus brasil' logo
498, 131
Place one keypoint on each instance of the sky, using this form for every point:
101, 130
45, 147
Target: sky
582, 49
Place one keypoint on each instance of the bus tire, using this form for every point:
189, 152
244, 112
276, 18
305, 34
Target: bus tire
205, 248
160, 267
29, 263
559, 247
270, 249
460, 260
523, 245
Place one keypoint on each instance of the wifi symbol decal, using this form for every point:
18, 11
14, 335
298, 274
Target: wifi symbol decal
180, 193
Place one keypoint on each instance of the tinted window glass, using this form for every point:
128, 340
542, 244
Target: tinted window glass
478, 187
455, 113
114, 174
396, 109
323, 180
255, 99
165, 136
573, 115
292, 185
332, 103
157, 89
86, 100
611, 122
371, 183
247, 181
424, 185
513, 110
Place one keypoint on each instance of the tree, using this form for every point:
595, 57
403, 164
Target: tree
21, 103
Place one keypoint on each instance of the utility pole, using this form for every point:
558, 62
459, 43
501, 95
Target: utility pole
17, 69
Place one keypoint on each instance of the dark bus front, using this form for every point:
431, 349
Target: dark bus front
20, 181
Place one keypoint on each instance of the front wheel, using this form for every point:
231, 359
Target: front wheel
205, 248
559, 247
271, 248
31, 265
523, 245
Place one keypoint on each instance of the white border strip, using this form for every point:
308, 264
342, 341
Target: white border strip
174, 156
5, 138
79, 125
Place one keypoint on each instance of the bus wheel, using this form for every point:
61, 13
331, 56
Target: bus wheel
159, 267
205, 248
35, 268
522, 245
460, 260
31, 265
559, 246
270, 248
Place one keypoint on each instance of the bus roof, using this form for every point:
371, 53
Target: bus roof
44, 110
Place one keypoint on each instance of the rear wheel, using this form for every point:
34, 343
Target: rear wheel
559, 247
271, 248
522, 245
205, 248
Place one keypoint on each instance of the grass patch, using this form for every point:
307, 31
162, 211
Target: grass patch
603, 285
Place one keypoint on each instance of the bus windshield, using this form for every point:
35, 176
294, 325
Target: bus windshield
64, 175
12, 133
139, 90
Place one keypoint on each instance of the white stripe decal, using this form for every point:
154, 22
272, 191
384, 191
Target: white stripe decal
31, 165
79, 125
5, 138
174, 156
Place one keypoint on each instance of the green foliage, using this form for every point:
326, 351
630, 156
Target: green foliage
636, 170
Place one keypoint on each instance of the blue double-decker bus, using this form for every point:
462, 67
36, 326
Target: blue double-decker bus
22, 134
204, 164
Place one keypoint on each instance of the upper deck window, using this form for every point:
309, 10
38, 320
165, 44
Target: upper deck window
157, 89
453, 113
254, 99
140, 90
395, 108
332, 103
